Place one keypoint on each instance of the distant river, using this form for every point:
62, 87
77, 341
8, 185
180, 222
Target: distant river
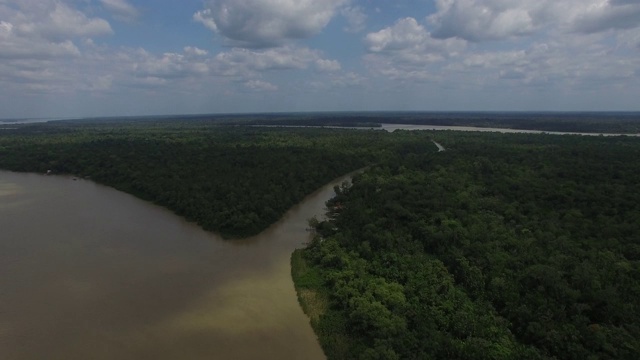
394, 127
88, 272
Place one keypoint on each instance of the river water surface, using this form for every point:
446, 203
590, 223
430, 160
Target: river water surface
87, 272
394, 127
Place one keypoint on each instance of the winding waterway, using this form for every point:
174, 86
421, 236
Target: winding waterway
88, 272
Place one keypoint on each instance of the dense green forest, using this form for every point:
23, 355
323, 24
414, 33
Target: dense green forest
232, 180
502, 247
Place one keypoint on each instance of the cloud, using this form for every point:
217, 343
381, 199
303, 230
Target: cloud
239, 69
552, 66
486, 20
348, 79
337, 80
246, 63
616, 14
241, 65
404, 34
101, 83
629, 38
121, 9
267, 23
356, 18
561, 58
482, 20
147, 82
467, 49
22, 48
195, 51
204, 17
408, 42
170, 65
259, 85
387, 67
324, 65
5, 29
45, 30
56, 22
40, 51
141, 69
404, 50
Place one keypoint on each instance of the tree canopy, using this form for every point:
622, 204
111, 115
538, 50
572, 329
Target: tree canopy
229, 179
502, 247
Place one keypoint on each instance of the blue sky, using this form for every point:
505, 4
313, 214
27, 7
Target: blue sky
76, 58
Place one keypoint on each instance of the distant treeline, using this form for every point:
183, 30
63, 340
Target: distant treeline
615, 122
587, 122
628, 123
513, 246
612, 122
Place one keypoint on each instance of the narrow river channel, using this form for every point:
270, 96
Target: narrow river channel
88, 272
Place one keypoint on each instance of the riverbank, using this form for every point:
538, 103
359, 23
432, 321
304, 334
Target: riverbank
314, 301
308, 284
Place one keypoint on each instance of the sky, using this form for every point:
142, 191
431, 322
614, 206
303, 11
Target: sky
82, 58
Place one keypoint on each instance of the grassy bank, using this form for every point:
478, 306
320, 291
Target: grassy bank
314, 300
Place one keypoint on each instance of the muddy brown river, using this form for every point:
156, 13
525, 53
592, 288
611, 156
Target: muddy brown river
87, 272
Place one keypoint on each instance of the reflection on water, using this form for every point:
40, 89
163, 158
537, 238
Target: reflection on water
92, 273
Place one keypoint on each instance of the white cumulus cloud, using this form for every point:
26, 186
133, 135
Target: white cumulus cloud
195, 51
407, 41
267, 23
407, 35
405, 50
169, 65
58, 21
246, 63
45, 30
39, 49
482, 20
204, 17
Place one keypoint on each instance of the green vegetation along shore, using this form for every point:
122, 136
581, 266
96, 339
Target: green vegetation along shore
502, 247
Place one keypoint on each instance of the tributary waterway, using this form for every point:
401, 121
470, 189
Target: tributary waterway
87, 272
